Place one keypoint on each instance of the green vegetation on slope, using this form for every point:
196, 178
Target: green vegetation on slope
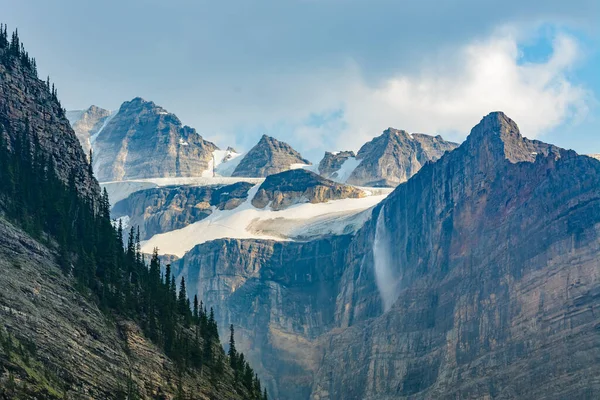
90, 248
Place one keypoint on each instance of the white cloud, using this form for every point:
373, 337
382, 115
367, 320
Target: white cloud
447, 96
486, 76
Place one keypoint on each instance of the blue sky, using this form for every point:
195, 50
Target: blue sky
327, 74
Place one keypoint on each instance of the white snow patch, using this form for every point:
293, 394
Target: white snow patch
226, 168
124, 221
223, 156
209, 171
299, 165
248, 222
342, 174
106, 121
183, 142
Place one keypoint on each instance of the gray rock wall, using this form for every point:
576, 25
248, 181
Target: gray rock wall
493, 251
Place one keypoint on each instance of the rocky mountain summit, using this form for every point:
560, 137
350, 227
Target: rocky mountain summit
87, 124
395, 156
268, 156
143, 140
460, 285
287, 188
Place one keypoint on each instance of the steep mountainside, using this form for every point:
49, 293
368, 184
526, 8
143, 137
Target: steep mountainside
395, 156
269, 156
477, 278
29, 104
282, 190
80, 316
143, 140
281, 296
63, 345
87, 124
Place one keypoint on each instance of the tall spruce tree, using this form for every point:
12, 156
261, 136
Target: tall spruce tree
232, 353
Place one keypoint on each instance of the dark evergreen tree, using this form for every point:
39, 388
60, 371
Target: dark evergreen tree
232, 353
195, 313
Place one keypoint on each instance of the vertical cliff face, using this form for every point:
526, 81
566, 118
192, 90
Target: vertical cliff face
491, 255
280, 297
143, 140
28, 105
495, 251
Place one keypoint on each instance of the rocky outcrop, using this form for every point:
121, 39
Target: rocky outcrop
164, 209
27, 106
332, 162
287, 188
87, 124
477, 278
395, 156
269, 156
143, 140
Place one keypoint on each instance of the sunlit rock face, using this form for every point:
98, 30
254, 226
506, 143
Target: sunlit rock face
269, 156
494, 251
395, 156
143, 140
287, 188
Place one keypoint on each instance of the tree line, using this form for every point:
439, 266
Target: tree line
106, 266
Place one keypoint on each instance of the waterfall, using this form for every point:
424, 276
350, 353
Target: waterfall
385, 277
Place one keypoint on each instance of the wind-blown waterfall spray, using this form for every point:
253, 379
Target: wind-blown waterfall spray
385, 277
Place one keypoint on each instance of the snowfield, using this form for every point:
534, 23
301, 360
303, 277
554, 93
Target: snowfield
300, 221
226, 168
346, 170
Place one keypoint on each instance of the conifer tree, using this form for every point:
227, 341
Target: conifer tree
232, 353
182, 298
195, 313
